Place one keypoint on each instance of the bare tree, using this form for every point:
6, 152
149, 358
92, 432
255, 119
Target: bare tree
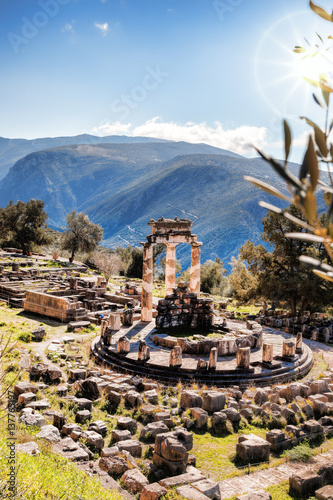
107, 263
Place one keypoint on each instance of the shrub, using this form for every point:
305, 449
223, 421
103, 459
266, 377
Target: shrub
301, 453
25, 337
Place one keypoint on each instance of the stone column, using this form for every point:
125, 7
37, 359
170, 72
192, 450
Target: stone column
176, 357
212, 359
299, 342
195, 269
267, 353
73, 283
243, 358
170, 268
288, 348
114, 321
147, 283
123, 345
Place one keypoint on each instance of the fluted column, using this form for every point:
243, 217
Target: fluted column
195, 269
147, 283
170, 268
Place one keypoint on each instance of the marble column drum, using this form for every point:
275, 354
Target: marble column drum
170, 268
195, 269
147, 283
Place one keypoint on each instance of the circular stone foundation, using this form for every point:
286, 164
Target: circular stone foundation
281, 370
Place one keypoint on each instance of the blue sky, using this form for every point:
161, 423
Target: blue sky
216, 71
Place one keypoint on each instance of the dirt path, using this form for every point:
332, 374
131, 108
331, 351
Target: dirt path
40, 348
269, 477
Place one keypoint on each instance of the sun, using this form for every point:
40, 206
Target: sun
280, 72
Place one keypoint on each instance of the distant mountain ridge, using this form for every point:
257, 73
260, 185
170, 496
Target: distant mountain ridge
122, 185
12, 150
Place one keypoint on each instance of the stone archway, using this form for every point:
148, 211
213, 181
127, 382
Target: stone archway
170, 232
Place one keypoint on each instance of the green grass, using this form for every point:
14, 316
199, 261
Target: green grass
216, 455
52, 477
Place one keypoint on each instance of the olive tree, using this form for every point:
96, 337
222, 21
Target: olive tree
80, 234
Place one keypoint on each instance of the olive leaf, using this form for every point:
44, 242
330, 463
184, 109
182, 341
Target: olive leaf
318, 101
287, 139
320, 137
310, 238
310, 165
266, 187
321, 12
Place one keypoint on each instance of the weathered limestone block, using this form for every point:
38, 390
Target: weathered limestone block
59, 420
151, 397
267, 353
83, 403
209, 488
114, 321
94, 439
134, 480
115, 465
288, 348
151, 430
190, 399
143, 352
173, 450
90, 389
98, 426
213, 401
38, 334
128, 317
212, 359
305, 482
176, 357
153, 491
127, 423
123, 345
26, 397
278, 440
131, 446
243, 358
32, 417
325, 493
77, 374
120, 435
260, 397
50, 433
107, 335
114, 398
22, 387
319, 387
299, 342
202, 365
190, 493
252, 449
133, 398
232, 414
82, 416
30, 448
200, 416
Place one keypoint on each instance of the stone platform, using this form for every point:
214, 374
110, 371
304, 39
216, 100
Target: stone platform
226, 372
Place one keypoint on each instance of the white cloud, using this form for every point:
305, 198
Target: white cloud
238, 140
115, 128
104, 28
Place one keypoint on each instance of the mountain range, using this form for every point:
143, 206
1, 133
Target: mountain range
122, 183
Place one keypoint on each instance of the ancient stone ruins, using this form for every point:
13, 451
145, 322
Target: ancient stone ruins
121, 414
170, 232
